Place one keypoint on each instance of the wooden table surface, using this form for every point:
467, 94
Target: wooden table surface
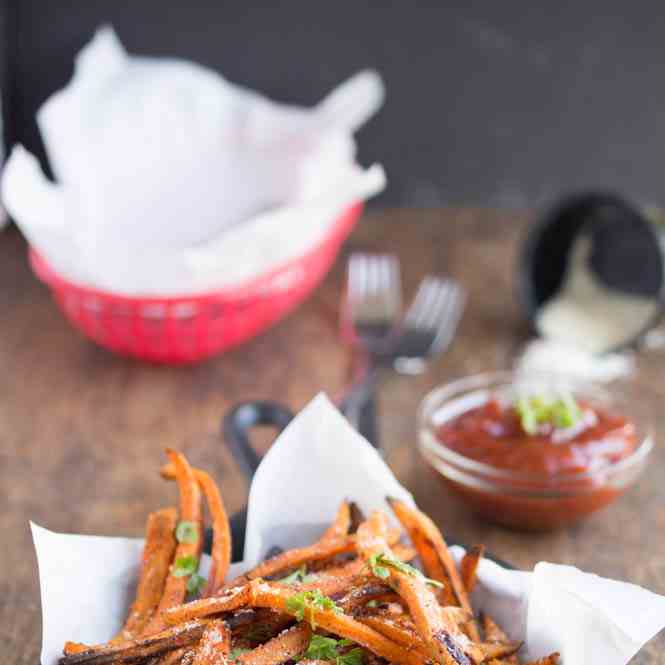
82, 431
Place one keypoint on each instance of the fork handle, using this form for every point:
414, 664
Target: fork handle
357, 401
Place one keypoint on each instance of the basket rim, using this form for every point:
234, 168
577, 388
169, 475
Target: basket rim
337, 232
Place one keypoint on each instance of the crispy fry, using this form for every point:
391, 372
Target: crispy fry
231, 600
296, 557
360, 594
469, 567
188, 657
340, 526
552, 659
266, 625
319, 551
457, 615
75, 647
444, 639
499, 650
173, 637
266, 595
158, 552
357, 516
175, 588
334, 579
431, 546
214, 646
398, 628
175, 657
221, 532
286, 646
494, 633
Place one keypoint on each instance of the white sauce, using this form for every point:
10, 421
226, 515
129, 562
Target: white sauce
552, 357
587, 314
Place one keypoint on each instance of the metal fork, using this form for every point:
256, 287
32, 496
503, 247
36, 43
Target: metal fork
370, 312
428, 329
430, 324
373, 300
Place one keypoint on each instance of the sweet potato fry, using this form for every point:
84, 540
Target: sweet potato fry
158, 552
266, 595
398, 628
173, 637
175, 588
188, 657
499, 650
215, 645
319, 551
360, 594
357, 517
340, 526
445, 641
175, 657
286, 646
266, 625
231, 600
552, 659
469, 567
494, 633
296, 557
431, 547
334, 579
221, 532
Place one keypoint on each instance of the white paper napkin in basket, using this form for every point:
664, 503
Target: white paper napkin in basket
86, 582
156, 159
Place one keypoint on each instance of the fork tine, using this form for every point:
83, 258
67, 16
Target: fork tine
440, 290
424, 312
373, 287
419, 305
450, 319
392, 280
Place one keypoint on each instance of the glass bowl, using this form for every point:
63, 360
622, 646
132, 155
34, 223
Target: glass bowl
524, 500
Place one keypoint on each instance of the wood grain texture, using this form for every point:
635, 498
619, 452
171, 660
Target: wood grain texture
82, 432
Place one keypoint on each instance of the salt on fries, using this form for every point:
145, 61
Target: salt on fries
350, 598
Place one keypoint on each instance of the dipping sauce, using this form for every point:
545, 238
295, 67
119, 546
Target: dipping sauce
533, 452
493, 434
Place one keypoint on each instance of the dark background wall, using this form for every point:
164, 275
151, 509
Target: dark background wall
499, 103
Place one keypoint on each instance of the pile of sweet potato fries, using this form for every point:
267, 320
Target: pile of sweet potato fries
351, 598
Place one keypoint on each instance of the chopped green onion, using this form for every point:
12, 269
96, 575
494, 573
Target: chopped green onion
321, 648
351, 657
311, 600
534, 411
187, 532
238, 651
297, 576
328, 648
185, 565
380, 563
195, 583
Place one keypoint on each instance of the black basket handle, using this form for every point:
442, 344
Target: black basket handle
236, 427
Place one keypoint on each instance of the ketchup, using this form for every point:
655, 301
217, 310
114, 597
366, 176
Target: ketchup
559, 474
493, 434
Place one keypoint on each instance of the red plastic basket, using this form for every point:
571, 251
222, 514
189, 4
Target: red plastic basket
188, 329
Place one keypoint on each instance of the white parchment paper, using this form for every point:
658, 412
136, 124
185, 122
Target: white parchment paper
87, 582
171, 180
